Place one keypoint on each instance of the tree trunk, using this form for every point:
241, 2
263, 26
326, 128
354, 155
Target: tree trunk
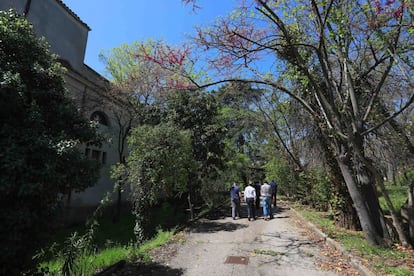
117, 214
190, 206
365, 201
121, 182
345, 213
410, 210
395, 219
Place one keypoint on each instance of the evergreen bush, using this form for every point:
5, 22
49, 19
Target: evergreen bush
39, 133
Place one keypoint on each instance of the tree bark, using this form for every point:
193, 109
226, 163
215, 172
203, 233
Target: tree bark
395, 218
345, 213
117, 214
369, 220
190, 206
366, 202
410, 210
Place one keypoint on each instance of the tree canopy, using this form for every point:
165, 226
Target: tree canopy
336, 59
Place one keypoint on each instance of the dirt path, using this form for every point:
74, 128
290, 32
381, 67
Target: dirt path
220, 245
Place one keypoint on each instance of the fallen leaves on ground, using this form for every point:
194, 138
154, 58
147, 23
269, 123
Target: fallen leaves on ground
333, 259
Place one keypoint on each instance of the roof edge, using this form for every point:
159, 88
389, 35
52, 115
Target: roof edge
74, 15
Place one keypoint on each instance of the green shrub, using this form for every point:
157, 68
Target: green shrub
278, 170
320, 193
406, 178
312, 187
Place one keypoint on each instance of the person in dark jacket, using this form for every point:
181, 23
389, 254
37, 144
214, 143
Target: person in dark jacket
235, 196
257, 188
273, 185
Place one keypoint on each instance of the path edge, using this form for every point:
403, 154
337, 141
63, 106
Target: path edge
353, 260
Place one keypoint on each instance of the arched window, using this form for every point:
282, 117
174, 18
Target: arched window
100, 117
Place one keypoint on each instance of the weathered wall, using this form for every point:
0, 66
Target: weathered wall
66, 34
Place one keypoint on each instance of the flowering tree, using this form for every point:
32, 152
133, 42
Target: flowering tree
337, 59
137, 87
147, 96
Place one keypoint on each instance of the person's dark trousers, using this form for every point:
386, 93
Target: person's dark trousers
274, 201
251, 208
235, 208
257, 188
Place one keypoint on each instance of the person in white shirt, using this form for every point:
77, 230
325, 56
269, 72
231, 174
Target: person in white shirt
250, 198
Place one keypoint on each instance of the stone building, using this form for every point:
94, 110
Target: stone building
67, 36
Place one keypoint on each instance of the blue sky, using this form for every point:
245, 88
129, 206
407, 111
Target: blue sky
125, 21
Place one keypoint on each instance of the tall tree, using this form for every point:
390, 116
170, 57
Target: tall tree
342, 64
198, 112
242, 123
135, 96
342, 53
144, 90
39, 134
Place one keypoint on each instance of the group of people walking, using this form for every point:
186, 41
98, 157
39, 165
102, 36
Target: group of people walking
267, 192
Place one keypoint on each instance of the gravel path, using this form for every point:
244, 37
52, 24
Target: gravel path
223, 246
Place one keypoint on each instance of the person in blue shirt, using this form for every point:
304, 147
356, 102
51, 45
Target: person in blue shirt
235, 196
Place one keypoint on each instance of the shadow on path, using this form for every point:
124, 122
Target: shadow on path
210, 223
211, 226
224, 211
142, 269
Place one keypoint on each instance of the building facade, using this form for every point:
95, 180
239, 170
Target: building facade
67, 36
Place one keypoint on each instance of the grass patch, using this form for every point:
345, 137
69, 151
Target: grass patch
89, 262
112, 255
268, 252
111, 243
161, 238
322, 221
